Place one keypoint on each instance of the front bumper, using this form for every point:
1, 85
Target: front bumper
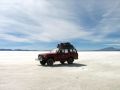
39, 58
36, 59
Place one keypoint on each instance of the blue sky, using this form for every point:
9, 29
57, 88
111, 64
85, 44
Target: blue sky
41, 24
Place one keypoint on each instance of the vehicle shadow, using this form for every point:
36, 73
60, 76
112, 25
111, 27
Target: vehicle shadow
66, 65
69, 65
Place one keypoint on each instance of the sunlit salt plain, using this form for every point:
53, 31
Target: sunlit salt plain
92, 71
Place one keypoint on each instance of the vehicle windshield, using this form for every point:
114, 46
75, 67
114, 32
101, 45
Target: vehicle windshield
54, 50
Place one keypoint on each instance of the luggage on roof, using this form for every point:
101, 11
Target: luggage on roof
65, 46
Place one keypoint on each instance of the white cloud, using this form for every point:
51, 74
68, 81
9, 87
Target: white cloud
62, 30
39, 21
58, 20
109, 22
12, 38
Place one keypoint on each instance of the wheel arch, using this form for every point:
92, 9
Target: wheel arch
51, 58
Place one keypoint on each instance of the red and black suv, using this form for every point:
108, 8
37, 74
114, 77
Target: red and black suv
64, 52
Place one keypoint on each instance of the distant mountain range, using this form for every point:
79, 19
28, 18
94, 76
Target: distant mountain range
109, 49
104, 49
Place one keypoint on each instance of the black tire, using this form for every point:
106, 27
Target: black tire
50, 62
70, 61
62, 62
43, 62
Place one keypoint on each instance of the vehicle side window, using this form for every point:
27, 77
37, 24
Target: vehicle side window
59, 51
63, 51
66, 50
71, 50
74, 50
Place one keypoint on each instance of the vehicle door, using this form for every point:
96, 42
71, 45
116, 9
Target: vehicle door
60, 54
66, 54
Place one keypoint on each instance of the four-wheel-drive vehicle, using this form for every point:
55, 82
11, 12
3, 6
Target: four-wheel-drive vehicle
64, 52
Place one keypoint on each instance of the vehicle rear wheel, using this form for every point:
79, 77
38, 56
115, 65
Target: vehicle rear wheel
62, 62
50, 62
42, 62
70, 61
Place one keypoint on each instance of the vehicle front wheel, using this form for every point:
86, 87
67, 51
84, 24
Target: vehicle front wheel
70, 61
42, 62
50, 62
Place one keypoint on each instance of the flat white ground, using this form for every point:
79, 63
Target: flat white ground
92, 71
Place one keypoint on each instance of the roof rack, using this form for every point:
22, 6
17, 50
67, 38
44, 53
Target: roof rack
66, 45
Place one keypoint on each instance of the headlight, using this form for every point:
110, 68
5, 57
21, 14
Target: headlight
40, 57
